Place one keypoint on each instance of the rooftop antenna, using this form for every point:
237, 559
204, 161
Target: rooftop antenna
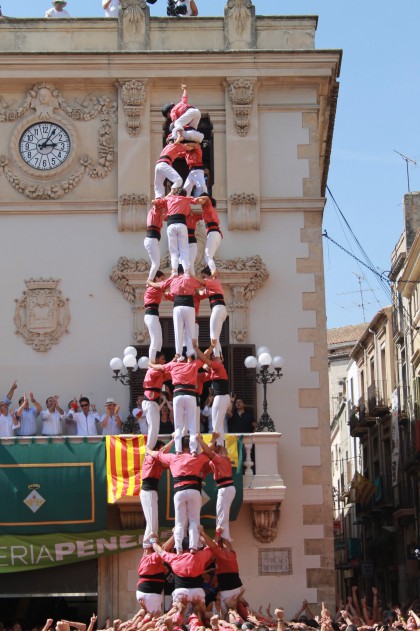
407, 160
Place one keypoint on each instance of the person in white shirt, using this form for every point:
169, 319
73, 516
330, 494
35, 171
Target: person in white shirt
52, 418
140, 416
86, 419
58, 10
111, 422
111, 8
180, 8
28, 415
8, 422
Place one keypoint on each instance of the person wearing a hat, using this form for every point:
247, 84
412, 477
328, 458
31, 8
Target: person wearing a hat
57, 10
111, 422
8, 421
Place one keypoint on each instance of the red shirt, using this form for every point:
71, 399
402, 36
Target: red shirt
151, 468
183, 464
194, 158
187, 564
184, 373
202, 377
217, 371
153, 379
193, 219
154, 218
213, 286
221, 466
178, 205
181, 285
172, 151
209, 213
180, 108
153, 295
225, 561
150, 564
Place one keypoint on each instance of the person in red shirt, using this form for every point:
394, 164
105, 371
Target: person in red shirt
222, 472
194, 160
151, 572
152, 299
227, 570
192, 221
185, 117
164, 169
182, 289
187, 471
151, 473
220, 384
152, 385
212, 223
216, 295
151, 242
188, 569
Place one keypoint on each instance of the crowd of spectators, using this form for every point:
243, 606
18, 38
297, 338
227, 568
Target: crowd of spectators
80, 416
175, 8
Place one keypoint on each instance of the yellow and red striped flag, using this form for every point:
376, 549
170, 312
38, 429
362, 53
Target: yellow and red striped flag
124, 459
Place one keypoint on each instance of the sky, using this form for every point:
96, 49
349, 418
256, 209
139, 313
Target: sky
378, 114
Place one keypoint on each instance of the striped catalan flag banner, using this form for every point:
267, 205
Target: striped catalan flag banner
124, 459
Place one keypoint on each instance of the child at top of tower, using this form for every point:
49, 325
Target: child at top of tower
185, 119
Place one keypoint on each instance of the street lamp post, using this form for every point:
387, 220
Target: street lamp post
129, 362
264, 376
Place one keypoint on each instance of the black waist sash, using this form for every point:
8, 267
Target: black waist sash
150, 484
198, 167
152, 308
228, 580
153, 233
184, 388
178, 218
216, 299
188, 581
191, 482
220, 386
224, 482
191, 235
166, 159
151, 583
184, 301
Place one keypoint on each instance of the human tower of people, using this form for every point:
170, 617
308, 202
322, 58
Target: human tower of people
193, 458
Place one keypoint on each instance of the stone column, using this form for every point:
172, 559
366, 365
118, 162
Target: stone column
133, 25
240, 31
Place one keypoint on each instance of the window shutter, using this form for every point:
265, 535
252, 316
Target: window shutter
241, 379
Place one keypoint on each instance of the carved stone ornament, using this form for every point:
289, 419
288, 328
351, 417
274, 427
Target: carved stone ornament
244, 212
133, 95
265, 518
134, 17
241, 278
49, 104
240, 11
42, 315
241, 94
132, 213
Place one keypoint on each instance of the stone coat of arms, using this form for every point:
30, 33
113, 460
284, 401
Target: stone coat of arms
42, 315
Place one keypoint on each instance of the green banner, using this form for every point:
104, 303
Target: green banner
208, 494
52, 487
35, 552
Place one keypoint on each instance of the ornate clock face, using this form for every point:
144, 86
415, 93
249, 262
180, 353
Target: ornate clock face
44, 146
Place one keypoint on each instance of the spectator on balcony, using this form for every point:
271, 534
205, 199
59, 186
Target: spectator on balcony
166, 418
8, 420
52, 418
28, 415
111, 8
111, 422
240, 420
86, 419
9, 395
57, 10
140, 416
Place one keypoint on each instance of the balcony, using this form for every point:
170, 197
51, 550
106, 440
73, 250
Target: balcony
358, 421
397, 327
378, 402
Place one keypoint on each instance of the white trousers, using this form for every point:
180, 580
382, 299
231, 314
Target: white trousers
217, 317
225, 498
163, 171
149, 504
152, 412
153, 250
213, 241
196, 178
184, 328
192, 252
220, 406
227, 594
190, 593
153, 602
178, 246
155, 331
187, 516
184, 416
